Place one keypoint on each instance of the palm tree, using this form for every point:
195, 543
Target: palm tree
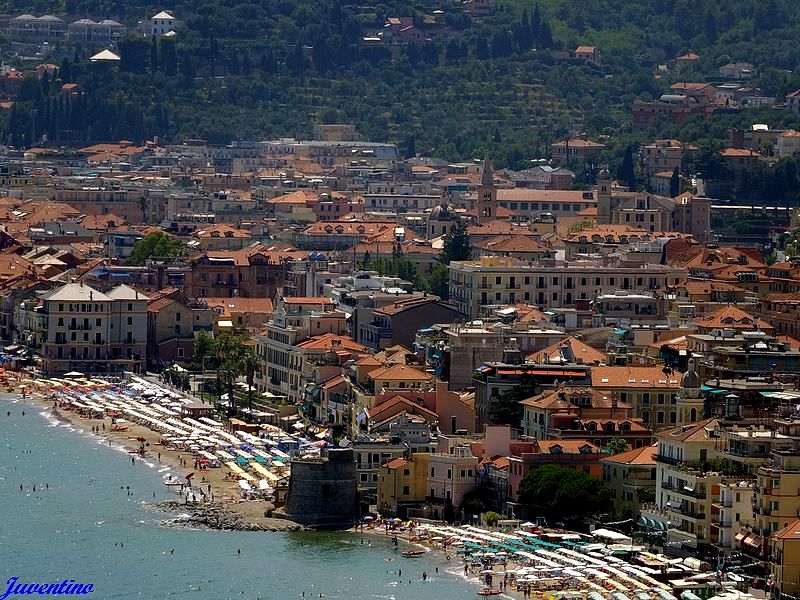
250, 364
617, 446
225, 349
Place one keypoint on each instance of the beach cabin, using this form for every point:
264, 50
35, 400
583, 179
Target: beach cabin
196, 410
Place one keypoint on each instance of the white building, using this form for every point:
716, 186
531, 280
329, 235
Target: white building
162, 24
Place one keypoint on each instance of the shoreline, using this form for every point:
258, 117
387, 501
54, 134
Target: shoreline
225, 511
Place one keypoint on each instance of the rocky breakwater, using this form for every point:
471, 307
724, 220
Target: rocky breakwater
222, 517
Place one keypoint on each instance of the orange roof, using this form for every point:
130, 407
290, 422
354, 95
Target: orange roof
568, 350
305, 300
400, 373
513, 243
567, 446
329, 341
637, 456
221, 230
732, 317
635, 377
239, 304
396, 463
298, 197
790, 532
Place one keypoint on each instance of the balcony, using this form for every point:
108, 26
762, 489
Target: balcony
667, 460
438, 500
764, 510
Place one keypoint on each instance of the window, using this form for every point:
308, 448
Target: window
406, 491
406, 472
130, 306
130, 320
449, 473
660, 416
177, 316
363, 478
433, 474
180, 352
497, 280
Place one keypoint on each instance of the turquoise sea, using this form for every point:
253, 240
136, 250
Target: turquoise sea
82, 524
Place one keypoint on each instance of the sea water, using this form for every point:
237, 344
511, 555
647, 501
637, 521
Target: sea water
91, 519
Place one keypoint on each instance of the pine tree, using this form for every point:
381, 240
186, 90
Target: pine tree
675, 183
627, 173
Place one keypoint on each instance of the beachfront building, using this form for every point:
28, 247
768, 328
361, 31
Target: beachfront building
451, 476
686, 481
402, 484
78, 328
294, 320
632, 477
785, 560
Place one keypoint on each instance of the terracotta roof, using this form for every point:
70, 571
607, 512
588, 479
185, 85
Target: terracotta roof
685, 433
239, 304
221, 230
635, 377
306, 300
400, 373
409, 304
568, 350
732, 317
102, 222
567, 446
513, 243
396, 405
638, 456
330, 341
790, 532
159, 304
298, 197
396, 463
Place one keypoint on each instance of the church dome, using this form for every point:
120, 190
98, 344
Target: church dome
690, 379
443, 212
604, 174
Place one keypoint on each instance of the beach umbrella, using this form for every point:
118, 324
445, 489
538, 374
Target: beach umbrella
189, 475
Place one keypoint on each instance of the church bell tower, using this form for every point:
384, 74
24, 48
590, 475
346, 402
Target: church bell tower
487, 193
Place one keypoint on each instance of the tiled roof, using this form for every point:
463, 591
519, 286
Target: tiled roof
635, 377
638, 456
399, 373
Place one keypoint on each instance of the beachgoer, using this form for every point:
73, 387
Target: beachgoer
172, 551
424, 576
239, 551
133, 460
437, 569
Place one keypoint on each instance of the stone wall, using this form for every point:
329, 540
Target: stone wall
323, 492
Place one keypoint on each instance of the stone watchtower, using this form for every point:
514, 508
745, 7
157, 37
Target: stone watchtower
604, 197
487, 193
323, 491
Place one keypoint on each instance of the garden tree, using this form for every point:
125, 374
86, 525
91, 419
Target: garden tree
396, 266
562, 494
627, 173
675, 183
456, 244
134, 53
507, 409
156, 243
438, 282
203, 349
617, 446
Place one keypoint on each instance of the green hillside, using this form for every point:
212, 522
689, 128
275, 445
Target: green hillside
252, 70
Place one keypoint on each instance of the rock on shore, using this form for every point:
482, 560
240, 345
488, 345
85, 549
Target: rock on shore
217, 516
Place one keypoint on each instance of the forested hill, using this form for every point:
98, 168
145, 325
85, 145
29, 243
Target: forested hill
252, 70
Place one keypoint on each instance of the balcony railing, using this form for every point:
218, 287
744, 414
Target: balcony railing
667, 460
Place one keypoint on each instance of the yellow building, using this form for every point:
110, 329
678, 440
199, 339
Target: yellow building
785, 559
402, 484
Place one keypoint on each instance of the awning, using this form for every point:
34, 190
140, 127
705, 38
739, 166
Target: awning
483, 369
740, 536
225, 324
755, 542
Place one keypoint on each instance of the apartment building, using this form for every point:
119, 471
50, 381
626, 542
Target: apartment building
78, 328
548, 284
295, 320
652, 392
630, 475
685, 486
452, 476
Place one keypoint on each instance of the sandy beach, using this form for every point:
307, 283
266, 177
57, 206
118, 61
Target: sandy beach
247, 514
